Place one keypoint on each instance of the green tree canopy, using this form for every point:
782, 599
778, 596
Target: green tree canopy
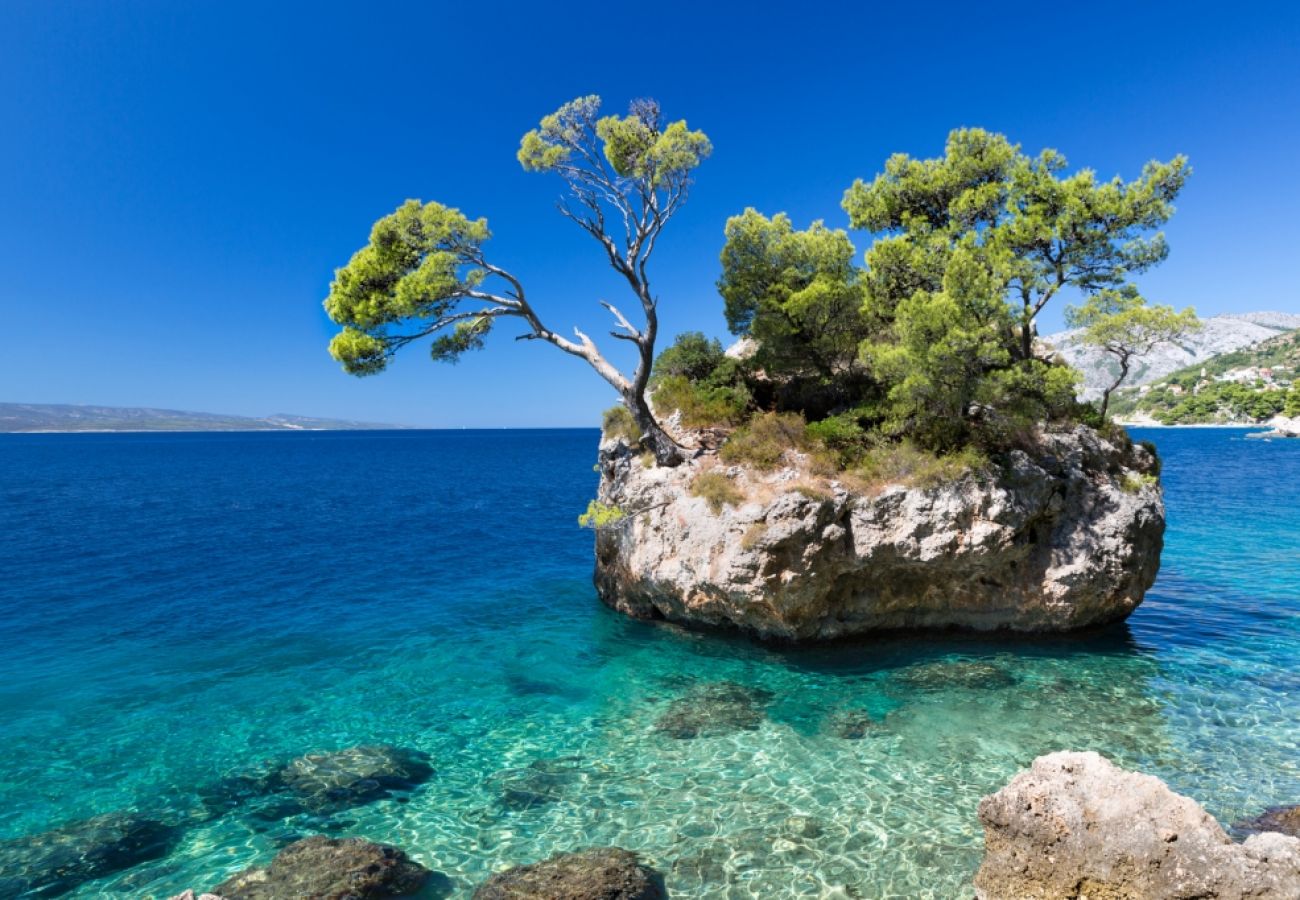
797, 293
425, 272
1120, 323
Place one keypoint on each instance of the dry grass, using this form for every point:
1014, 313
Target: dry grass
717, 489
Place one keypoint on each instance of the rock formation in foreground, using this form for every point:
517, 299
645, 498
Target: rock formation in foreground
605, 873
329, 869
1077, 827
1066, 537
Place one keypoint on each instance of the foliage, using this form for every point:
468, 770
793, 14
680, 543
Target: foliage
906, 463
599, 515
969, 249
717, 489
795, 292
691, 356
1134, 483
617, 422
1291, 408
764, 440
425, 274
753, 535
1120, 323
702, 406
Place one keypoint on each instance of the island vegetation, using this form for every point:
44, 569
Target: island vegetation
916, 362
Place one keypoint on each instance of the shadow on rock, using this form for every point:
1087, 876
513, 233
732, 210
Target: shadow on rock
606, 873
56, 861
713, 709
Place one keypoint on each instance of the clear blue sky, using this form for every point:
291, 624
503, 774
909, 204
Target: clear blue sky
178, 180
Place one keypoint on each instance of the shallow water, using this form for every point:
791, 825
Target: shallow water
178, 608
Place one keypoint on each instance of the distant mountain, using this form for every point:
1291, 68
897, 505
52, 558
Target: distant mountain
1222, 334
60, 417
1241, 387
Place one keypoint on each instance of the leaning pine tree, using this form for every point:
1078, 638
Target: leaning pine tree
424, 272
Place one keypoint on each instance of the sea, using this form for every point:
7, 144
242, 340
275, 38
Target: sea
179, 610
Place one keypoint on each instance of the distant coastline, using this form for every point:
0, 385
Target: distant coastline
60, 418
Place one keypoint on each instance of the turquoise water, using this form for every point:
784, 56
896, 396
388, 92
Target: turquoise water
180, 608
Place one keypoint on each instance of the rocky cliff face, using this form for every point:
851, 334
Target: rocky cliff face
1075, 826
1062, 538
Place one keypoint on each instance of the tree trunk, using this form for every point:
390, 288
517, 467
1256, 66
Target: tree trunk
653, 437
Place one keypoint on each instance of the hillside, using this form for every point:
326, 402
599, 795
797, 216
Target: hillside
1244, 386
1222, 334
18, 417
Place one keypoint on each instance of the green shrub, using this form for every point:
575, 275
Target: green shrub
617, 422
691, 356
763, 441
906, 463
701, 406
1134, 483
842, 436
717, 489
598, 515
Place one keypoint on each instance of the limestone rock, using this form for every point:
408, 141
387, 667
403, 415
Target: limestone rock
1063, 538
607, 873
56, 861
324, 868
1077, 827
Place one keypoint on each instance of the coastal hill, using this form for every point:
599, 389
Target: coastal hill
1242, 387
28, 417
1221, 334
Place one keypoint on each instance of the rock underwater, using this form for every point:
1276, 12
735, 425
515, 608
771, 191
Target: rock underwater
605, 873
57, 861
1066, 537
1077, 827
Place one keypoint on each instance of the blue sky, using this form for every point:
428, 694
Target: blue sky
178, 180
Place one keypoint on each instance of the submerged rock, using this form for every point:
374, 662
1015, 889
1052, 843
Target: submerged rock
1284, 819
946, 674
56, 861
540, 783
1076, 826
716, 708
328, 782
849, 724
324, 868
606, 873
1066, 537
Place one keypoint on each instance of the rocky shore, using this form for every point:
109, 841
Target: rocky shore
1064, 537
1077, 827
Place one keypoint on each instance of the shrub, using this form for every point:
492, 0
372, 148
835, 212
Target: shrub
906, 463
701, 406
617, 422
762, 443
691, 356
599, 515
1134, 483
843, 437
717, 489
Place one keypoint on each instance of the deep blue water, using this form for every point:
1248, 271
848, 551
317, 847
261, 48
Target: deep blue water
178, 608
